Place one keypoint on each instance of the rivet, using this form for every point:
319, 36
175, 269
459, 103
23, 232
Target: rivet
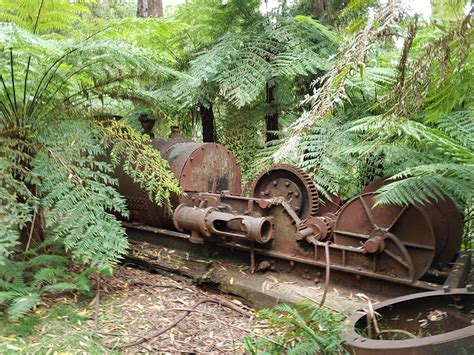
274, 183
297, 194
287, 183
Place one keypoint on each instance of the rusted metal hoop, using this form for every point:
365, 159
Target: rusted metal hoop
460, 340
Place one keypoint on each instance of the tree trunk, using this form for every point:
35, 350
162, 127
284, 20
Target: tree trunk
271, 119
320, 7
142, 8
155, 8
207, 122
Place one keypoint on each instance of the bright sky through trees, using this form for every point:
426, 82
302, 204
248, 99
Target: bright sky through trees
418, 6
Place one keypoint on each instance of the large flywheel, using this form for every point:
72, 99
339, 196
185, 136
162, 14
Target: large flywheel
292, 184
446, 220
400, 240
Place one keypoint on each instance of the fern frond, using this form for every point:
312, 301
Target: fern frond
22, 305
7, 296
425, 183
46, 275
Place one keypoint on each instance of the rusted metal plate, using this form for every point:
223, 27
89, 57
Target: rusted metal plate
204, 167
211, 168
440, 323
142, 209
458, 275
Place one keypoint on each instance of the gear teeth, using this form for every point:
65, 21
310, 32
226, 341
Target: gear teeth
303, 177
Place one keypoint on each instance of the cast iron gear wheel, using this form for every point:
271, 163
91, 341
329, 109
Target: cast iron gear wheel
291, 183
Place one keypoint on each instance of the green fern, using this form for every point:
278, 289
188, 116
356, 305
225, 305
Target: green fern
56, 190
57, 15
22, 305
46, 275
304, 329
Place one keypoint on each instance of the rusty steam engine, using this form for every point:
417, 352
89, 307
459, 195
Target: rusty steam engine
284, 217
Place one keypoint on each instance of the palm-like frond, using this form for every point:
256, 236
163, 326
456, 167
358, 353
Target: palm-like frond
56, 16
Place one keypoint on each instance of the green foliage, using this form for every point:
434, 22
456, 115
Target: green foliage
232, 68
410, 120
62, 327
239, 65
302, 330
243, 137
57, 16
56, 185
26, 276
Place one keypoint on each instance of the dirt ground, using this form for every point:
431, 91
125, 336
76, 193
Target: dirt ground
136, 303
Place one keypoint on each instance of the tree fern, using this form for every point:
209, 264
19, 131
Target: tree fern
55, 184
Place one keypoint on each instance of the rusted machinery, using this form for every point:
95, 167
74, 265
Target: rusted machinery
284, 217
436, 322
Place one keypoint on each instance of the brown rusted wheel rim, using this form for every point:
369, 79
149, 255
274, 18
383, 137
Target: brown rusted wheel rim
376, 184
331, 205
454, 222
400, 240
290, 183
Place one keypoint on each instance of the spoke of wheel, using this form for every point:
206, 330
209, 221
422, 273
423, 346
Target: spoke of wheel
396, 258
397, 217
417, 246
405, 253
367, 212
351, 234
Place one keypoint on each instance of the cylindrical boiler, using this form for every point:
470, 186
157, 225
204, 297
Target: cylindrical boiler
198, 167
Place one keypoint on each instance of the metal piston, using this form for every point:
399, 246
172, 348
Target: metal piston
211, 221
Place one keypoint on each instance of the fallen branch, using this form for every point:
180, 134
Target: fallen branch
159, 332
151, 284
